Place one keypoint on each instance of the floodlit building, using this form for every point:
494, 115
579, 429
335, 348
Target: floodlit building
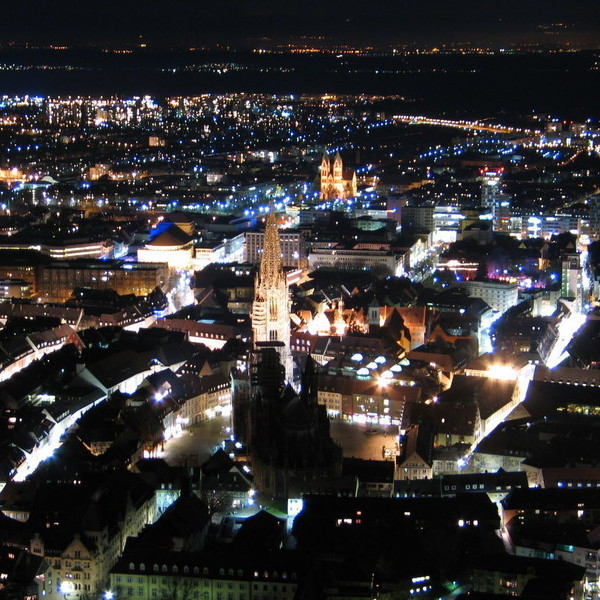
271, 306
154, 573
89, 529
56, 281
335, 183
292, 243
173, 246
571, 277
381, 258
498, 295
15, 288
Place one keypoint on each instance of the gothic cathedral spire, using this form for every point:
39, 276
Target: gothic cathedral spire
271, 306
270, 274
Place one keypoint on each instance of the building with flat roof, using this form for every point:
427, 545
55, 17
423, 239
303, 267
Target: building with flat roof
292, 242
15, 288
381, 258
499, 295
55, 282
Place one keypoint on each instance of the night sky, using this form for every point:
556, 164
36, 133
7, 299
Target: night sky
251, 23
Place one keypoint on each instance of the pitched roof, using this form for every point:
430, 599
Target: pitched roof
547, 569
545, 398
219, 461
118, 367
489, 394
450, 418
173, 236
553, 499
369, 470
186, 516
262, 530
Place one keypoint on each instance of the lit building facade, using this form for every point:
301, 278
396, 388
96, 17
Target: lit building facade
498, 295
356, 258
334, 182
364, 401
293, 247
66, 249
202, 576
82, 560
271, 306
55, 282
571, 277
173, 247
494, 199
15, 288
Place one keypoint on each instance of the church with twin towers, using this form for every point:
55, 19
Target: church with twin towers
335, 182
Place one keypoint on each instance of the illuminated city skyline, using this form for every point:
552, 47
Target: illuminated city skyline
299, 301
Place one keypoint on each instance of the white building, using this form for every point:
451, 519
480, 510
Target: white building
354, 258
499, 295
66, 249
293, 247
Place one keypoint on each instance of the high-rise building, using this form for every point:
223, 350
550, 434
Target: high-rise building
494, 199
594, 217
335, 183
420, 216
491, 186
572, 278
271, 306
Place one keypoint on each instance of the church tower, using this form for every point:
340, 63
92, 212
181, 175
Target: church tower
271, 306
335, 182
338, 168
325, 167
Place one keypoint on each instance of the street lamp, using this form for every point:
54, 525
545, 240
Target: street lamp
109, 595
66, 587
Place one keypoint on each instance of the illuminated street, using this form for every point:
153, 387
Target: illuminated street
567, 328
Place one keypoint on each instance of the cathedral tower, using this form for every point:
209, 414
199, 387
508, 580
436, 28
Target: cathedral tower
338, 169
271, 306
336, 182
325, 167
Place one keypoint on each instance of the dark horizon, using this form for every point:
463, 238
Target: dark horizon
186, 23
